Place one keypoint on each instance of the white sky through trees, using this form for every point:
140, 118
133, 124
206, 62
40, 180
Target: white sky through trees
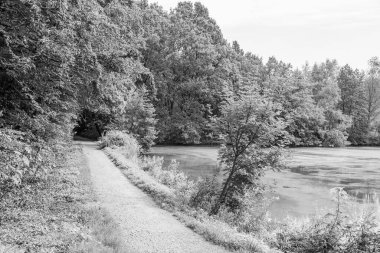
297, 31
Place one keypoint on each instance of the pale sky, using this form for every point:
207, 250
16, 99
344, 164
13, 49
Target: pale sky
297, 31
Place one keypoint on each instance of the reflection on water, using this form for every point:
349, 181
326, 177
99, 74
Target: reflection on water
304, 186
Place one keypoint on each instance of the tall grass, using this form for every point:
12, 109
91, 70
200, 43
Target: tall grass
106, 232
187, 199
10, 249
126, 144
350, 227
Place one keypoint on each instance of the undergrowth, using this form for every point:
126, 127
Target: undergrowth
52, 210
349, 228
175, 192
106, 234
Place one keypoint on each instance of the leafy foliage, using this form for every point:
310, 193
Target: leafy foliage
138, 118
172, 190
133, 66
44, 212
168, 77
334, 138
127, 143
248, 125
344, 230
24, 162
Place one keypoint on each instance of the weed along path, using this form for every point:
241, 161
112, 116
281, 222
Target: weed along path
145, 227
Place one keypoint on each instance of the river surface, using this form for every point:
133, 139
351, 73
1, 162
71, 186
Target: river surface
303, 187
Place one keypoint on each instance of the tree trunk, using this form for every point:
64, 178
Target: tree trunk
223, 194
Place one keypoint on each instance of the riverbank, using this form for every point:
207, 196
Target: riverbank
320, 229
172, 191
303, 187
144, 225
347, 226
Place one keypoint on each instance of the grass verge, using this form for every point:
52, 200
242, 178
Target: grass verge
59, 215
350, 227
212, 230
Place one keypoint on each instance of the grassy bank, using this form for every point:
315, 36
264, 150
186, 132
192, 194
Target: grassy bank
348, 228
173, 191
59, 214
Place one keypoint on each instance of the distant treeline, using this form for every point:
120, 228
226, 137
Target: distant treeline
162, 76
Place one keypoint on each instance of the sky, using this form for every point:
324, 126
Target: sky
300, 31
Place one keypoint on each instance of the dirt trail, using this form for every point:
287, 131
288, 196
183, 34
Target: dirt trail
145, 227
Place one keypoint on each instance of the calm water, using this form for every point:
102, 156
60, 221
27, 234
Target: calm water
304, 186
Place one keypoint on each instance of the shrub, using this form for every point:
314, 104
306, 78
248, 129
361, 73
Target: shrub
205, 194
24, 160
222, 234
170, 176
252, 215
181, 196
349, 229
148, 163
127, 144
334, 138
139, 117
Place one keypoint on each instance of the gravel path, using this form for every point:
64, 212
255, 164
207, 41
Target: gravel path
145, 227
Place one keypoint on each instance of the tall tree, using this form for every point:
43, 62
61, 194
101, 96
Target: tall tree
185, 53
327, 95
293, 91
350, 83
372, 91
353, 102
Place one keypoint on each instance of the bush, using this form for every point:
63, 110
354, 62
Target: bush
373, 137
205, 194
350, 229
170, 176
252, 215
248, 226
181, 196
24, 160
334, 138
149, 163
223, 234
127, 144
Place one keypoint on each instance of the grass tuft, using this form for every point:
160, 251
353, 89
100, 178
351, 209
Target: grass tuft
105, 233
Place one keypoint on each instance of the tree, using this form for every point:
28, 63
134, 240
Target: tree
109, 70
352, 93
353, 103
326, 94
248, 125
294, 92
372, 91
137, 116
188, 56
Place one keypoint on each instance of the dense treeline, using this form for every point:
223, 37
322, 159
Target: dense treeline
133, 66
63, 62
195, 70
162, 76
